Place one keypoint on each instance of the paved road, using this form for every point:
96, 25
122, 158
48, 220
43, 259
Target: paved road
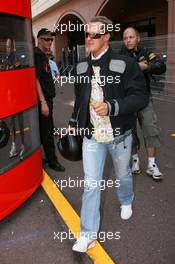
27, 236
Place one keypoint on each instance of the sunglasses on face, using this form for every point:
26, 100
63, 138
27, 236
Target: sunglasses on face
94, 35
47, 39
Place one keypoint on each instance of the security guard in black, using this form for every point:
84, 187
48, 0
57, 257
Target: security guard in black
46, 93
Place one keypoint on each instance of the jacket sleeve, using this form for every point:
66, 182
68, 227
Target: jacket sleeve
156, 64
136, 95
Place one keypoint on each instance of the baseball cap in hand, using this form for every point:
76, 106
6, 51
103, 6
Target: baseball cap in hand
45, 31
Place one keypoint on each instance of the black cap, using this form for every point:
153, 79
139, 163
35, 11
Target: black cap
45, 31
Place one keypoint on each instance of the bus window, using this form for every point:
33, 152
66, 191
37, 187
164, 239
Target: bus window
15, 45
23, 139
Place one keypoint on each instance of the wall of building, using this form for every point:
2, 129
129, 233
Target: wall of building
122, 11
81, 8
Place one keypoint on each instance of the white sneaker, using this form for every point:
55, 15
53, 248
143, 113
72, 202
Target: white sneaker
154, 172
135, 166
126, 211
83, 244
13, 152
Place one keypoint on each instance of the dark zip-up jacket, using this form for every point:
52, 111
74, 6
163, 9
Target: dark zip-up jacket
155, 64
43, 73
125, 95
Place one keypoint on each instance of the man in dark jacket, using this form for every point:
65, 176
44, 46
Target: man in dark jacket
46, 93
109, 89
150, 64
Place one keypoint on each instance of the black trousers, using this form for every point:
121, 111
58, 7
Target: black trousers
46, 132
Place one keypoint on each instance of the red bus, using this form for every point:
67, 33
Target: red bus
20, 154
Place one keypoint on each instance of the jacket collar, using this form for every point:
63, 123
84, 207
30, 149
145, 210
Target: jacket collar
105, 58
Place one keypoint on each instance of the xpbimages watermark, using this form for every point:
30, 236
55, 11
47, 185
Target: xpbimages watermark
101, 236
61, 132
80, 79
61, 28
87, 184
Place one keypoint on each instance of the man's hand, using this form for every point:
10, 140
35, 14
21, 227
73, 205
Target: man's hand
44, 108
101, 108
143, 65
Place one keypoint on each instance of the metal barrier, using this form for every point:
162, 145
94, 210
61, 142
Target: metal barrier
68, 61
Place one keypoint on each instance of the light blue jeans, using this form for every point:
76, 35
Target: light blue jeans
94, 156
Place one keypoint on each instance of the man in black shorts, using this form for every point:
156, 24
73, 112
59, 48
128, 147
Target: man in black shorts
150, 64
